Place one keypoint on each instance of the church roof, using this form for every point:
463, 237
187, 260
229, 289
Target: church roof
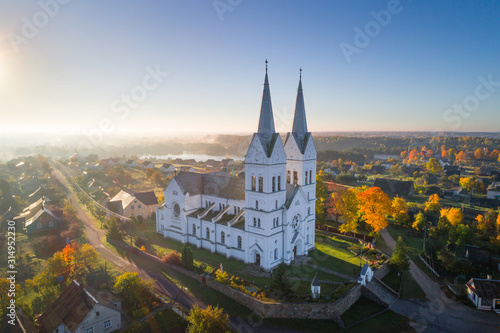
266, 120
291, 191
315, 281
299, 119
222, 186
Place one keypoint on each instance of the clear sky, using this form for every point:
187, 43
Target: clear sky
69, 65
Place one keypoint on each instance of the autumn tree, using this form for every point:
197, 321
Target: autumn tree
461, 156
209, 320
433, 205
433, 166
375, 205
454, 215
348, 210
479, 153
413, 155
452, 154
400, 210
137, 294
467, 183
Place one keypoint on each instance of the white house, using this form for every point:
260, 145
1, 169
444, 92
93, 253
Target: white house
366, 275
484, 293
131, 164
166, 167
315, 287
80, 311
266, 217
147, 165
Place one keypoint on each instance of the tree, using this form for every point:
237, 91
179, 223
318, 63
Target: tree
452, 154
433, 205
137, 294
114, 231
461, 156
209, 320
348, 210
454, 215
399, 259
68, 254
413, 155
321, 195
400, 210
420, 222
187, 256
479, 153
467, 183
460, 234
375, 205
281, 284
85, 256
433, 166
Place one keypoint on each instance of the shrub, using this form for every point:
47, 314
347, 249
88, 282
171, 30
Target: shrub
140, 243
221, 277
172, 258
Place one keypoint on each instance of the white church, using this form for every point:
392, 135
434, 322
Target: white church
265, 216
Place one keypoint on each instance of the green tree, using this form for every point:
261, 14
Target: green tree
187, 256
137, 293
399, 259
321, 195
209, 320
280, 284
419, 222
460, 234
114, 231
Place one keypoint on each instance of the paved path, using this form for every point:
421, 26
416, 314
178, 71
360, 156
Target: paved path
94, 236
439, 313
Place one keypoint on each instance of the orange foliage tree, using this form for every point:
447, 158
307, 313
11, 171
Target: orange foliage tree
375, 205
461, 156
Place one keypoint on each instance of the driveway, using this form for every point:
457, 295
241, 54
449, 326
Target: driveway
439, 313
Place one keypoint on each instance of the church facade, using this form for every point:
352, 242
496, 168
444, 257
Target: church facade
267, 215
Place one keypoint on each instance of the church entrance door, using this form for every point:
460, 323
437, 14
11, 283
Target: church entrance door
257, 259
295, 251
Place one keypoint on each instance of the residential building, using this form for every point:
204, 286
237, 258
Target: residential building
484, 293
130, 203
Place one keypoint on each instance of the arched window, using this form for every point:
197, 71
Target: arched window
288, 176
310, 176
295, 178
261, 184
239, 242
307, 239
254, 183
308, 210
256, 204
208, 233
258, 222
194, 229
276, 204
306, 178
223, 237
277, 221
274, 184
279, 183
275, 254
254, 221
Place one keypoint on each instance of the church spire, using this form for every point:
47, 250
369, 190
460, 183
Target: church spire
299, 120
266, 120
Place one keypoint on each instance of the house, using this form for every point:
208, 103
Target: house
484, 202
147, 165
374, 169
186, 169
315, 287
463, 193
41, 192
167, 167
366, 275
388, 164
110, 161
411, 169
451, 170
484, 293
394, 187
493, 191
334, 172
473, 254
470, 214
30, 184
345, 168
80, 309
129, 203
44, 220
21, 324
131, 164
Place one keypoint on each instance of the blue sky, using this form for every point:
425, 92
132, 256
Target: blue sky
72, 73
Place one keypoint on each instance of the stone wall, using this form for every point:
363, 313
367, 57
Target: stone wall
312, 310
381, 272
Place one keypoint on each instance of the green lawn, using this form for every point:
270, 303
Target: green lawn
361, 309
335, 256
409, 289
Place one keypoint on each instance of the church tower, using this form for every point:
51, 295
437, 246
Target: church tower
301, 167
265, 189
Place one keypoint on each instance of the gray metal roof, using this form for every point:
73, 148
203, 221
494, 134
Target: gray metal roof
222, 186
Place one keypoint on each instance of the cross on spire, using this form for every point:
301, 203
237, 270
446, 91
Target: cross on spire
266, 65
300, 72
